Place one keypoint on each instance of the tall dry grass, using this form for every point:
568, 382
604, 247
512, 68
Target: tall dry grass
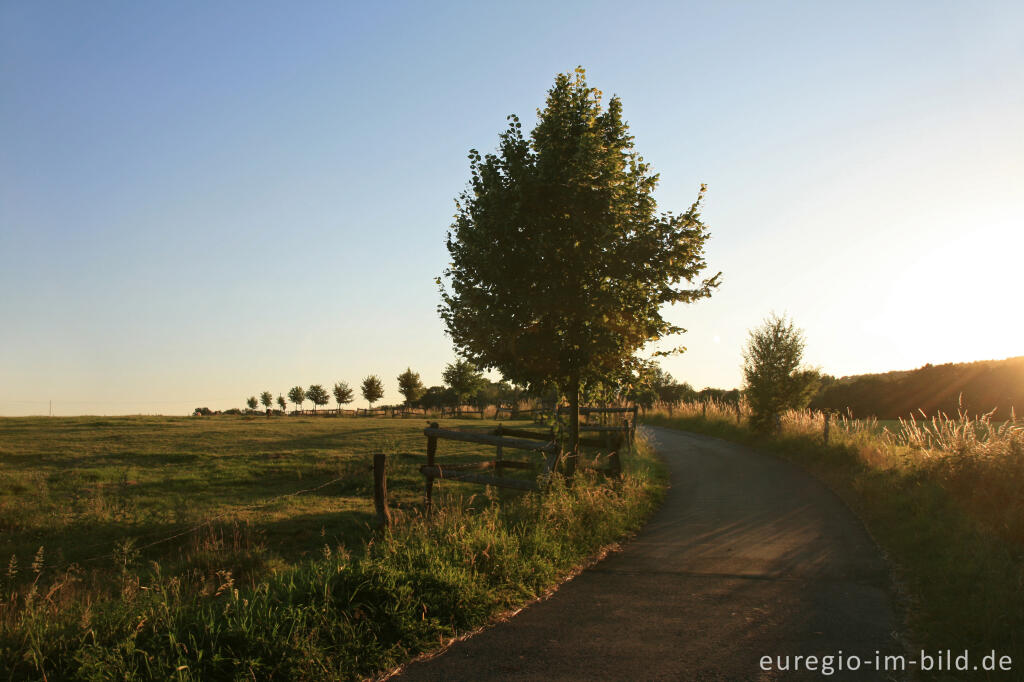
942, 496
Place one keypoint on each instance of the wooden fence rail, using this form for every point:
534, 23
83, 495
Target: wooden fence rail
372, 412
532, 442
613, 438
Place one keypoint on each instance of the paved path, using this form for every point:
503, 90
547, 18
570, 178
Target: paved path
749, 556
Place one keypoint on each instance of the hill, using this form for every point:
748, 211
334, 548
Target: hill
984, 385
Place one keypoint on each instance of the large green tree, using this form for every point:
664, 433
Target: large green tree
560, 262
773, 378
267, 399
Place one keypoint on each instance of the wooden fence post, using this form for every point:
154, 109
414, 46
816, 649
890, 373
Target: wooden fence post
498, 457
431, 453
380, 490
737, 412
827, 419
614, 460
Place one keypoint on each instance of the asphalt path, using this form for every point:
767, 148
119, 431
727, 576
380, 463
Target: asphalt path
748, 557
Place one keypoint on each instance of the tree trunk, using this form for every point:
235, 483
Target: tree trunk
574, 424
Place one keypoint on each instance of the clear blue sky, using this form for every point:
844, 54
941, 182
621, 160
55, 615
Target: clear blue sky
200, 201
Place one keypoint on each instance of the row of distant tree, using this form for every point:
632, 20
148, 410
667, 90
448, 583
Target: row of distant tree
372, 389
464, 385
645, 384
774, 380
977, 387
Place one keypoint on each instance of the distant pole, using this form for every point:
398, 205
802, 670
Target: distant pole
51, 408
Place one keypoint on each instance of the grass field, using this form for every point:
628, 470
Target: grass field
81, 487
167, 547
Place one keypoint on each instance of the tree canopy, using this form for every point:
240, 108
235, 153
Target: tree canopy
773, 379
318, 395
560, 262
297, 394
373, 389
464, 379
267, 398
342, 393
410, 386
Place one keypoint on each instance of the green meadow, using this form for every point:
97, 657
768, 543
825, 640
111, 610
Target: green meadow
230, 547
81, 487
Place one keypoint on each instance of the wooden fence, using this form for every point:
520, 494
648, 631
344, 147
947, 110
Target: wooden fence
324, 412
614, 439
459, 411
403, 412
531, 442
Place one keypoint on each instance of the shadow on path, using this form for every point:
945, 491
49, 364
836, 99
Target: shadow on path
748, 557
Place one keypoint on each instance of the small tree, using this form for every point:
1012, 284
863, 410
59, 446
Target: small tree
318, 395
464, 379
297, 395
773, 379
267, 399
252, 402
342, 394
282, 404
410, 386
373, 389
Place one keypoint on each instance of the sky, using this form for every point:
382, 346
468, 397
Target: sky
203, 201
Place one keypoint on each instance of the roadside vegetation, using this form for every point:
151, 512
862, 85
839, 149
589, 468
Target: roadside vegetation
941, 497
252, 579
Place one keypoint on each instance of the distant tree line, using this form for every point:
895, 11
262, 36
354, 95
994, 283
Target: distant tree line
984, 386
465, 386
774, 381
